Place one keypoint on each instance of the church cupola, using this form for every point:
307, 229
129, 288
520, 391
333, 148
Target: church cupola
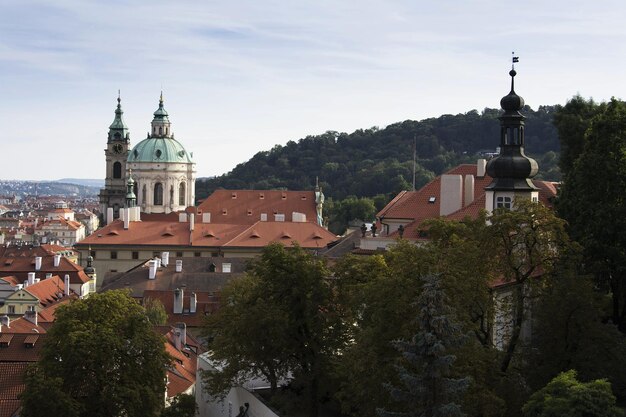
118, 131
161, 122
511, 170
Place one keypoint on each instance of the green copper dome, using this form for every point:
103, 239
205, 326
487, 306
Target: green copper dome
159, 149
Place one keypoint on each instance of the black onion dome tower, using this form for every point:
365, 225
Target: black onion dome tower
511, 170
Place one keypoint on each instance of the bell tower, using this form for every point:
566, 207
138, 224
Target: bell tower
113, 195
512, 170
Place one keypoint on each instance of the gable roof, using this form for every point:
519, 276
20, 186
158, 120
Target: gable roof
425, 203
246, 206
20, 266
47, 291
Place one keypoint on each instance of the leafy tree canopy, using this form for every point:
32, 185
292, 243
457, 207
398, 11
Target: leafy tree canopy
101, 358
375, 161
566, 396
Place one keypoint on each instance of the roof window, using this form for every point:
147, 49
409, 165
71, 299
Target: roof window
432, 200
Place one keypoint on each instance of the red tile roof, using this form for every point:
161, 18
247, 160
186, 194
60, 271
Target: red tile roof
423, 204
175, 233
47, 291
182, 374
20, 265
246, 206
11, 386
207, 302
261, 234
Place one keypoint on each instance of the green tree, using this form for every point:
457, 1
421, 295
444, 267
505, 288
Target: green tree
376, 294
103, 358
246, 338
183, 405
527, 242
572, 122
155, 311
568, 332
566, 396
591, 200
429, 389
295, 305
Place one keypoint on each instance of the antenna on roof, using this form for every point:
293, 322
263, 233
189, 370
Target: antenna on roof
414, 157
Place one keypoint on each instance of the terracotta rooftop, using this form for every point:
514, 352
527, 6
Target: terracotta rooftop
11, 386
207, 302
174, 233
48, 291
247, 206
20, 265
182, 374
417, 206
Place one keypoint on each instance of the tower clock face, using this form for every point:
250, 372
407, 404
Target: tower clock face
118, 148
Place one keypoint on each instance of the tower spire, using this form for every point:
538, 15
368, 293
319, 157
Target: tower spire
512, 170
118, 131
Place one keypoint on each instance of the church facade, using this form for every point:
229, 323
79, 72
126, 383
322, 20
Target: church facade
160, 169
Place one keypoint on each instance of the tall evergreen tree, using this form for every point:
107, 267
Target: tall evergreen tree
429, 388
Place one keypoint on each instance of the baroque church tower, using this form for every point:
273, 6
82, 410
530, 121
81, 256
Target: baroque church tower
162, 171
512, 170
118, 143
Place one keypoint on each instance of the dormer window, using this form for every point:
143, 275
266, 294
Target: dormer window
503, 202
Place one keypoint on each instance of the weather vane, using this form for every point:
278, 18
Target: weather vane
514, 60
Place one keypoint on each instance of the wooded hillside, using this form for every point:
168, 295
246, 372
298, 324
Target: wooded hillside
370, 162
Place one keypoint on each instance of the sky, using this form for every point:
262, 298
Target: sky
239, 77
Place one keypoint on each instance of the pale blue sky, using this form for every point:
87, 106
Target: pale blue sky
241, 76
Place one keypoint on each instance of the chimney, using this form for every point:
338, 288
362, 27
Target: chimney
481, 166
158, 262
153, 269
191, 222
31, 315
182, 217
206, 217
5, 321
31, 277
165, 258
179, 265
48, 275
451, 196
177, 339
37, 263
193, 302
178, 300
126, 212
57, 260
109, 215
469, 189
66, 281
182, 331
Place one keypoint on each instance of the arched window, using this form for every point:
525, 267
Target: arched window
143, 194
166, 131
158, 194
136, 189
117, 135
117, 170
160, 131
181, 194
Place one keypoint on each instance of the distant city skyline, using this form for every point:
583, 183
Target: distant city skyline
241, 77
